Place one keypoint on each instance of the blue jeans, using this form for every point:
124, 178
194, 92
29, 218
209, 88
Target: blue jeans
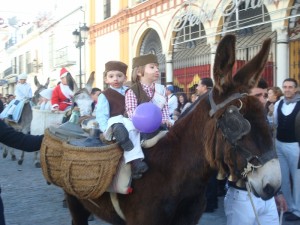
288, 155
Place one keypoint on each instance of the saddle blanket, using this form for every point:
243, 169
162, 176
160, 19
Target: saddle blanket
17, 111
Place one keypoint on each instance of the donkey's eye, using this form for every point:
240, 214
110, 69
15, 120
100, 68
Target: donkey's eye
254, 161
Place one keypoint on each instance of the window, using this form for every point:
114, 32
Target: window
14, 65
106, 9
28, 63
21, 63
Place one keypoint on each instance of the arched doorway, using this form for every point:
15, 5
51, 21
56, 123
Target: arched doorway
191, 58
152, 44
294, 43
250, 37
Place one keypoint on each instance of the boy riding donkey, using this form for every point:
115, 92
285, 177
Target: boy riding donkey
110, 116
145, 88
23, 92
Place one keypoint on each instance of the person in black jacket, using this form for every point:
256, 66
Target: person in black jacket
1, 103
26, 142
1, 106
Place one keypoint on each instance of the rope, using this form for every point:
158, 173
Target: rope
273, 127
280, 216
251, 200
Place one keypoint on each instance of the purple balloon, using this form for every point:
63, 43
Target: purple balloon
147, 117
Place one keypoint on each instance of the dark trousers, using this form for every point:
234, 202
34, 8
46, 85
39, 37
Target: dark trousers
2, 220
212, 193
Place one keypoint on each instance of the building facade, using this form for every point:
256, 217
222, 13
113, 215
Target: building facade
43, 46
184, 35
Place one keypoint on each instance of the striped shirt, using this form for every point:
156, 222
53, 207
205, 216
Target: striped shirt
131, 101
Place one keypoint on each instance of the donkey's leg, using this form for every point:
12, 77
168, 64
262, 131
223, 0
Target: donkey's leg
5, 151
20, 161
37, 163
189, 210
12, 153
78, 212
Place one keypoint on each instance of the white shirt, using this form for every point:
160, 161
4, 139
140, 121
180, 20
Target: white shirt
172, 103
286, 109
23, 91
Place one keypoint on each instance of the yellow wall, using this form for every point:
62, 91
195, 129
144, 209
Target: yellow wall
92, 47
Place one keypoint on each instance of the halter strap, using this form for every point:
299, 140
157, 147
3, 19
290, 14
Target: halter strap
215, 108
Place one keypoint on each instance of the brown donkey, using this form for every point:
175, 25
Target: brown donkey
225, 130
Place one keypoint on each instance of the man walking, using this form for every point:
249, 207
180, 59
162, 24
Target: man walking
287, 146
205, 85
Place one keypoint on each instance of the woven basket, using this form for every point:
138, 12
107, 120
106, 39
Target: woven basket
51, 156
88, 171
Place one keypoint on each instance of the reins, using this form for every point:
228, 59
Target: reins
252, 203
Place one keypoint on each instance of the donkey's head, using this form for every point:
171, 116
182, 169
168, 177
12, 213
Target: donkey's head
238, 129
40, 88
82, 97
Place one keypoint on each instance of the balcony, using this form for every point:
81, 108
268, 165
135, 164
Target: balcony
9, 71
64, 57
10, 43
29, 68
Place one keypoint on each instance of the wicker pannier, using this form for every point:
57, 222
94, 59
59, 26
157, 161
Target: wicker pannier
88, 171
51, 156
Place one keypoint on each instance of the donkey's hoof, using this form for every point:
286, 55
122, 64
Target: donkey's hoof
37, 164
4, 155
20, 162
13, 158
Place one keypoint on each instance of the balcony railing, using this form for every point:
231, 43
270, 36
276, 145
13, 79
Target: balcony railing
11, 42
64, 57
29, 68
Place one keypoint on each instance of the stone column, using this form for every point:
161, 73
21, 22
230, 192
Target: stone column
213, 48
169, 71
282, 57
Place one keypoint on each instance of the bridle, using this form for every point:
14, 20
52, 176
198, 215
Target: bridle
234, 126
83, 90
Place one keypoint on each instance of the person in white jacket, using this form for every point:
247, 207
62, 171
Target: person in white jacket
23, 91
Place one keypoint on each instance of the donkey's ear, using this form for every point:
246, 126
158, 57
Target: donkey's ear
250, 73
224, 61
90, 82
36, 82
47, 82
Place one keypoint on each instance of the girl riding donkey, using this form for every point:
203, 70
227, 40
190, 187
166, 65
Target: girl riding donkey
62, 93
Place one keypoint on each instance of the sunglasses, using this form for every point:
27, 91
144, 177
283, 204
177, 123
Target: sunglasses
264, 95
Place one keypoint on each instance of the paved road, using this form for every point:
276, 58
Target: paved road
28, 200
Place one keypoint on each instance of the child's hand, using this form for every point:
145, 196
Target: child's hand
168, 123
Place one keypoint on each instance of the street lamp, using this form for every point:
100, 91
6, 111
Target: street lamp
80, 36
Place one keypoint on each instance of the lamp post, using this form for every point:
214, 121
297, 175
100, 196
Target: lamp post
80, 36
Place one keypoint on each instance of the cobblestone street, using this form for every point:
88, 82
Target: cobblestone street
29, 200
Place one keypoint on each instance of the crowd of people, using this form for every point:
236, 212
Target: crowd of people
114, 108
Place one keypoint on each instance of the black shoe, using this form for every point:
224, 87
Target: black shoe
287, 213
292, 217
138, 167
10, 117
122, 137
